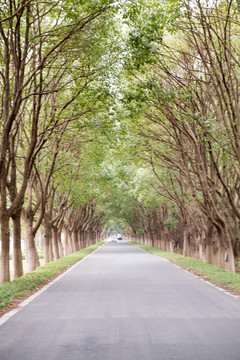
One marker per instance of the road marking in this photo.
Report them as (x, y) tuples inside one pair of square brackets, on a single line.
[(25, 302)]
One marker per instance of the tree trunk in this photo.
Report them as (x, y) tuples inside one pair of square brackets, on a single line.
[(230, 253), (88, 238), (81, 239), (31, 252), (84, 240), (47, 241), (60, 245), (69, 248), (185, 242), (65, 243), (5, 235), (55, 243), (17, 251), (209, 244), (220, 254)]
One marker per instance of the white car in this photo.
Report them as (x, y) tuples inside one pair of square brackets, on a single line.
[(112, 240)]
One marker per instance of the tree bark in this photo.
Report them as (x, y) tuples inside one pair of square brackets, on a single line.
[(185, 242), (209, 244), (55, 243), (31, 252), (5, 235), (17, 251), (47, 241)]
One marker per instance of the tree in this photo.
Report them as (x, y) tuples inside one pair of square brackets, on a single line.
[(36, 73), (191, 126)]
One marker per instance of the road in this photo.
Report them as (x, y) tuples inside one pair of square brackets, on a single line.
[(122, 303)]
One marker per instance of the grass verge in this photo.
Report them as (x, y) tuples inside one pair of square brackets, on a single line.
[(216, 275), (29, 283)]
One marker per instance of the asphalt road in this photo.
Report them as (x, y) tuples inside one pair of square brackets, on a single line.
[(124, 304)]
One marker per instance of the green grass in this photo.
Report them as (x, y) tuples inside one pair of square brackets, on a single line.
[(40, 255), (24, 285), (206, 271)]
